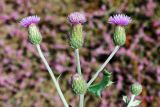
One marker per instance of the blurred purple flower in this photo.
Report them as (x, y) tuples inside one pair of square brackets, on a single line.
[(60, 46), (9, 50), (4, 17), (76, 18), (14, 15), (158, 32), (156, 23), (2, 43), (158, 74), (25, 22), (2, 6), (119, 82), (120, 19), (151, 5), (59, 68)]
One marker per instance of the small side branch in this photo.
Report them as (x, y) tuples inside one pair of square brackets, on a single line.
[(103, 66)]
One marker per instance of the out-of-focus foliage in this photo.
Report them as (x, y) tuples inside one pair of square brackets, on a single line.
[(25, 82)]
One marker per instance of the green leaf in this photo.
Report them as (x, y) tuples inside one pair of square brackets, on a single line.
[(97, 89), (126, 99), (135, 103), (58, 78)]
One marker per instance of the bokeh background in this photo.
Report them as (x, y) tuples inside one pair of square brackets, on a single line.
[(25, 82)]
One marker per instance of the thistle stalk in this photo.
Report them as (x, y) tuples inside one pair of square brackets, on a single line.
[(52, 76), (78, 61), (103, 66), (81, 97), (81, 101)]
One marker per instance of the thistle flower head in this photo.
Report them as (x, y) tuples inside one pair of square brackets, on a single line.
[(25, 22), (120, 19), (76, 18)]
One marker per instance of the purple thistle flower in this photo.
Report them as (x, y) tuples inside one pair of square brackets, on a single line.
[(120, 19), (25, 22), (76, 18)]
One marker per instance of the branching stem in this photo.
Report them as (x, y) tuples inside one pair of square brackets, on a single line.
[(103, 66)]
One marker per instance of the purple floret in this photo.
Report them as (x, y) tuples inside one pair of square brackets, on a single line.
[(77, 18), (25, 22), (120, 19)]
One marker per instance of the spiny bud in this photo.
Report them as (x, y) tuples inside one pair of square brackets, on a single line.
[(34, 35), (119, 36), (79, 85), (136, 89), (76, 37)]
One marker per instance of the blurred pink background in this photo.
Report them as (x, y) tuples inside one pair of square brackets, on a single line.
[(25, 82)]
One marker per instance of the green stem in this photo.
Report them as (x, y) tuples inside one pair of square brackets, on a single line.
[(52, 76), (78, 61), (81, 102), (81, 97), (130, 102), (103, 66)]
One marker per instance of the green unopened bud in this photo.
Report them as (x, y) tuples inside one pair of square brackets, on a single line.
[(76, 37), (119, 37), (136, 89), (34, 35), (79, 85)]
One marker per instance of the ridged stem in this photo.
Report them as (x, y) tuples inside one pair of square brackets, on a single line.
[(103, 66), (52, 76)]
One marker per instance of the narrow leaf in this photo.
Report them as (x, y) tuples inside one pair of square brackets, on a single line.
[(58, 78)]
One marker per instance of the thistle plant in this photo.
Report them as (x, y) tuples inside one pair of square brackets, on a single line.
[(76, 39), (35, 38), (135, 89)]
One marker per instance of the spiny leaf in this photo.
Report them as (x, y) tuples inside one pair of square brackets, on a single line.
[(99, 87), (126, 99), (135, 103)]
